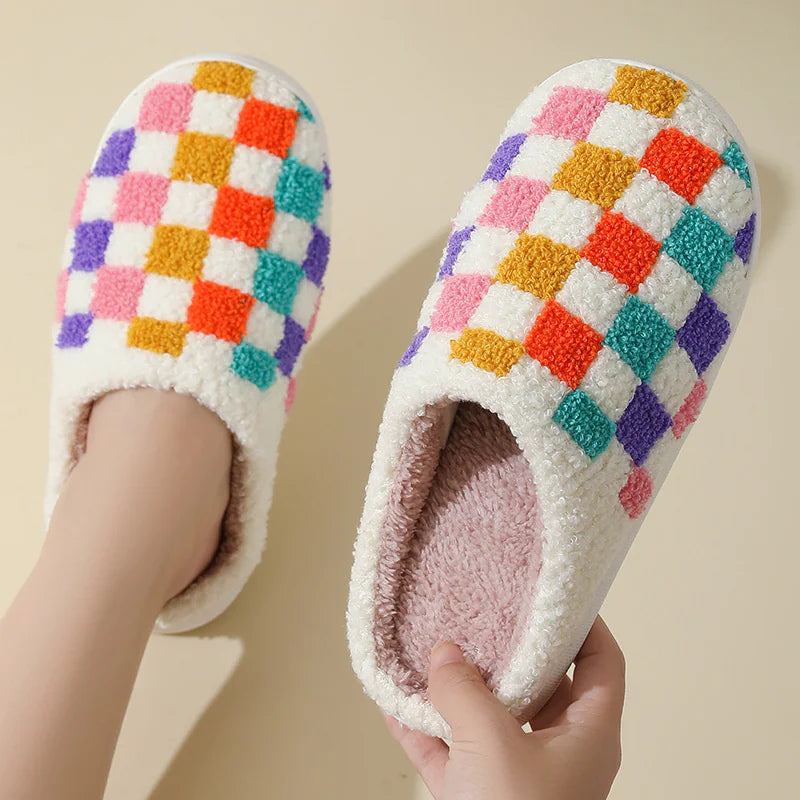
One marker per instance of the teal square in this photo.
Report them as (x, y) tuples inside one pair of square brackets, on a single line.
[(700, 245), (641, 336), (304, 110), (583, 420), (276, 281), (299, 190), (254, 365), (734, 158)]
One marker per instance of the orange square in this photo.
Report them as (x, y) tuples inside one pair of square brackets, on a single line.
[(681, 161), (224, 77), (538, 265), (243, 216), (157, 336), (597, 174), (266, 126), (487, 350), (177, 251), (203, 158), (566, 345), (647, 90), (219, 310), (623, 249)]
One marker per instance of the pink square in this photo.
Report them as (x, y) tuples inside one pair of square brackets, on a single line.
[(460, 296), (690, 409), (636, 492), (569, 113), (116, 292), (61, 294), (77, 206), (166, 107), (514, 203), (291, 391), (140, 198)]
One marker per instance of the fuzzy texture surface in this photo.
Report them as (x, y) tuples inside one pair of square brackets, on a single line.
[(194, 262), (590, 286)]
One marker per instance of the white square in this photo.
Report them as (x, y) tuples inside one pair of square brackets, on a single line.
[(596, 73), (484, 250), (290, 237), (230, 263), (727, 199), (189, 204), (506, 310), (540, 157), (69, 245), (522, 118), (671, 290), (214, 113), (308, 146), (673, 379), (165, 298), (626, 129), (305, 302), (129, 244), (651, 204), (695, 118), (153, 152), (610, 382), (593, 294), (473, 204), (272, 90), (256, 171), (429, 304), (537, 388), (564, 218), (264, 327), (80, 286), (730, 290), (99, 200)]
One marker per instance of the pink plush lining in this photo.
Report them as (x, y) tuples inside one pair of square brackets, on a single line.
[(461, 547)]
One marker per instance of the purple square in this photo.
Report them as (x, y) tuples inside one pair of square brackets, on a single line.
[(91, 240), (502, 158), (317, 257), (704, 333), (416, 342), (113, 160), (326, 171), (74, 331), (454, 246), (644, 422), (743, 243), (294, 337)]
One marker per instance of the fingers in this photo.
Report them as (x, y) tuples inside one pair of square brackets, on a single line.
[(427, 754), (598, 684), (459, 694), (553, 710)]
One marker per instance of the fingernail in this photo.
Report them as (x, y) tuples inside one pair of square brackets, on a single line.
[(445, 653)]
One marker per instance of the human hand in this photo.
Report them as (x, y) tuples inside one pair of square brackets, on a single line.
[(573, 752)]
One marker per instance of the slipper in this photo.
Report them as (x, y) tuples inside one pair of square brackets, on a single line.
[(588, 289), (194, 262)]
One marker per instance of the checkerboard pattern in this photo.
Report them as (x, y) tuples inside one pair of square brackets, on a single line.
[(601, 243), (205, 215)]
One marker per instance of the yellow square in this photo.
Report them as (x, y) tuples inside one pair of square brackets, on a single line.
[(224, 77), (157, 335), (597, 174), (537, 265), (203, 158), (487, 350), (178, 252), (647, 90)]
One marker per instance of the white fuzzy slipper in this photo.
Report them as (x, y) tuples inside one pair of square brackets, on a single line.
[(584, 300), (194, 262)]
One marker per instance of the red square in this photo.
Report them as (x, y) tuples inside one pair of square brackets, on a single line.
[(566, 345), (682, 162), (243, 216), (266, 126), (623, 249), (219, 310)]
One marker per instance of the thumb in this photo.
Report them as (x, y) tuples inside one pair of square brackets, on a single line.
[(459, 694)]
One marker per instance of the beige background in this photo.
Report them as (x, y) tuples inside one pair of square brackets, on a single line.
[(262, 703)]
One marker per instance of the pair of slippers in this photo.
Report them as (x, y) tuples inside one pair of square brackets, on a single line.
[(591, 282)]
